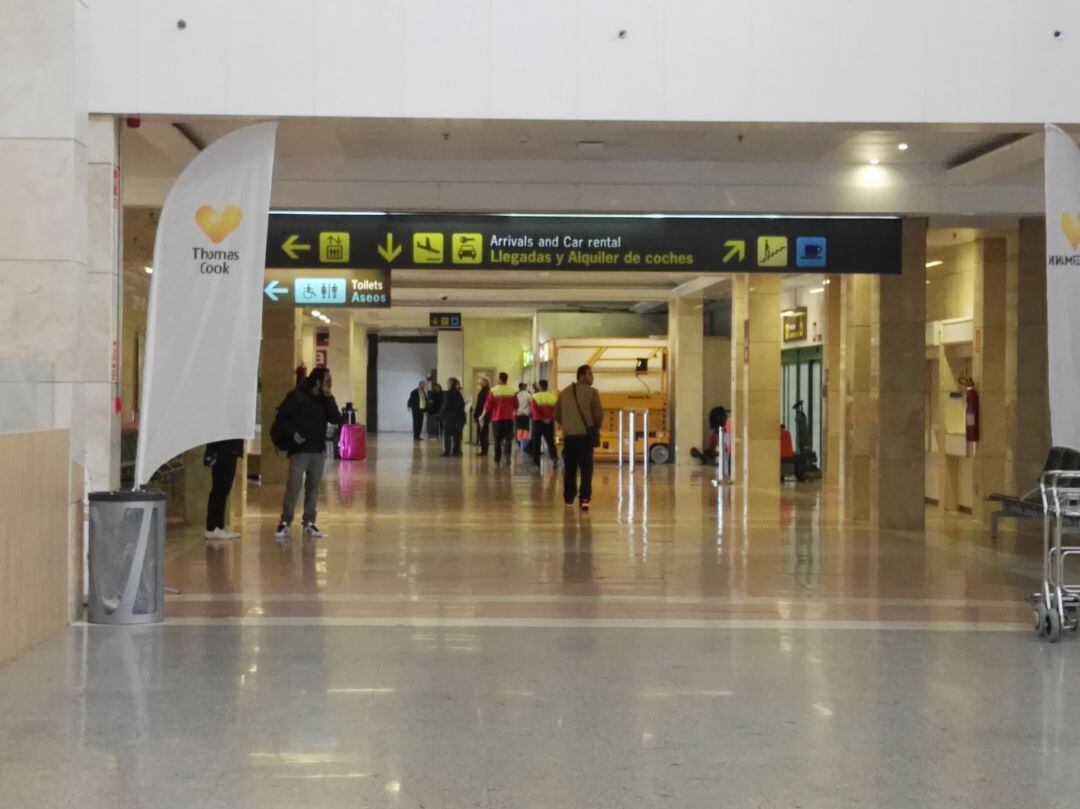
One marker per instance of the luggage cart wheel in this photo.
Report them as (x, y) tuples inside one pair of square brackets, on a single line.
[(1053, 626), (1040, 620)]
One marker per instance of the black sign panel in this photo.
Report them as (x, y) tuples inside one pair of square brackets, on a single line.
[(328, 289), (699, 244), (447, 321)]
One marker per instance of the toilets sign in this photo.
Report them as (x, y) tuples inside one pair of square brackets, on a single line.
[(702, 244)]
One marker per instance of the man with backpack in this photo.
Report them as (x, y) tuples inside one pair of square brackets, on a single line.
[(300, 430)]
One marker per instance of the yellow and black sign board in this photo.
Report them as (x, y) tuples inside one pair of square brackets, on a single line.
[(447, 321), (327, 289), (699, 244)]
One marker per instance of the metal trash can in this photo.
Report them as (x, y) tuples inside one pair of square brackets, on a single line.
[(127, 557)]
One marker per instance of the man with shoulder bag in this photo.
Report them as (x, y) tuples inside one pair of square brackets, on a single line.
[(579, 413)]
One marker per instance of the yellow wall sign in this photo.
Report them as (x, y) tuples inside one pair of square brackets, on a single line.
[(467, 248), (772, 251), (427, 248), (334, 247)]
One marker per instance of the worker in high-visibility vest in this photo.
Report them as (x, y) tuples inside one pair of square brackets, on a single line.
[(543, 423)]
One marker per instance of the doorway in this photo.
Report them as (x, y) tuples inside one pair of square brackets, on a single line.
[(800, 373)]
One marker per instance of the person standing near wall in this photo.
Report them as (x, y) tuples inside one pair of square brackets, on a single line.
[(500, 409), (418, 404), (543, 423), (221, 457), (306, 413), (434, 406), (452, 416), (579, 413), (483, 429)]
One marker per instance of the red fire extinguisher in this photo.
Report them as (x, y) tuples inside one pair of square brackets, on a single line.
[(971, 409)]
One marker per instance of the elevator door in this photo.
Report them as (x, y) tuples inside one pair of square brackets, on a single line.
[(800, 370)]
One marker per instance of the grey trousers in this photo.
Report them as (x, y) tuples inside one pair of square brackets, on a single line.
[(311, 465)]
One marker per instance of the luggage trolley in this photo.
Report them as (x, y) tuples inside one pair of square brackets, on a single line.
[(1057, 607)]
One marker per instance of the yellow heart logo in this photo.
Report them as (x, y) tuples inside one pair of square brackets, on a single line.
[(218, 225), (1070, 226)]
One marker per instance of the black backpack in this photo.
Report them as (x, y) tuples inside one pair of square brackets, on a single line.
[(281, 435)]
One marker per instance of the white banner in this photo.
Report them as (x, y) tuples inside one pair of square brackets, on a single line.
[(1063, 285), (204, 325)]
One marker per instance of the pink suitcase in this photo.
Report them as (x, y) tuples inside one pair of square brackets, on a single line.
[(353, 442)]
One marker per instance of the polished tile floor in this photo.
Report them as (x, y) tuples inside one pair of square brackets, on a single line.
[(460, 639)]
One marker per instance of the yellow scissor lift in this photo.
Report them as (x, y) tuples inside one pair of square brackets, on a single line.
[(631, 374)]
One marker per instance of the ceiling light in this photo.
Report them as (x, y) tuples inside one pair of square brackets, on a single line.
[(874, 161), (316, 313), (149, 270), (930, 264), (815, 291), (903, 147)]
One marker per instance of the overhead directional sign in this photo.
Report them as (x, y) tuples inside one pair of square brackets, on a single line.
[(328, 289), (698, 244)]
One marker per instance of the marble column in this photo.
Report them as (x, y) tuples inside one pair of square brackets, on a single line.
[(758, 425), (834, 381), (1032, 431), (43, 269), (277, 364), (884, 363), (451, 356), (359, 360), (990, 373), (102, 305), (686, 345), (740, 327)]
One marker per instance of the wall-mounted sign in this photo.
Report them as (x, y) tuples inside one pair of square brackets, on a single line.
[(527, 358), (344, 288), (447, 321), (621, 243), (794, 324)]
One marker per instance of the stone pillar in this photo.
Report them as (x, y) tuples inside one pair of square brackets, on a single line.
[(860, 416), (359, 361), (900, 313), (277, 364), (451, 356), (1032, 436), (686, 345), (339, 360), (759, 425), (102, 305), (884, 364), (740, 329), (834, 381), (990, 373), (43, 285)]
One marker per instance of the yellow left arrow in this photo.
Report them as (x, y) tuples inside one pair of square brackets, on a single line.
[(292, 247)]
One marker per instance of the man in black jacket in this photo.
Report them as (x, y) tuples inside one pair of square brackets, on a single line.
[(307, 411), (418, 404)]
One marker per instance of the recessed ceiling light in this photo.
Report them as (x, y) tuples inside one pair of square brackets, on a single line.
[(316, 313), (903, 147), (815, 290), (149, 270), (930, 264), (874, 161)]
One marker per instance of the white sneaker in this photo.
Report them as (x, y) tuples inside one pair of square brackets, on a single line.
[(312, 531), (221, 534), (282, 531)]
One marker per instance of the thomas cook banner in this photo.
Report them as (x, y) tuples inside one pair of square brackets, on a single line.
[(1063, 284), (200, 372)]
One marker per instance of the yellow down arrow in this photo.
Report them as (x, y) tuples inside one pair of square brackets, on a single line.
[(390, 251), (292, 247)]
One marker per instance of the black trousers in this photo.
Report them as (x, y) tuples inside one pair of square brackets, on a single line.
[(504, 440), (542, 432), (577, 457), (483, 432), (222, 474), (451, 438), (417, 423)]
